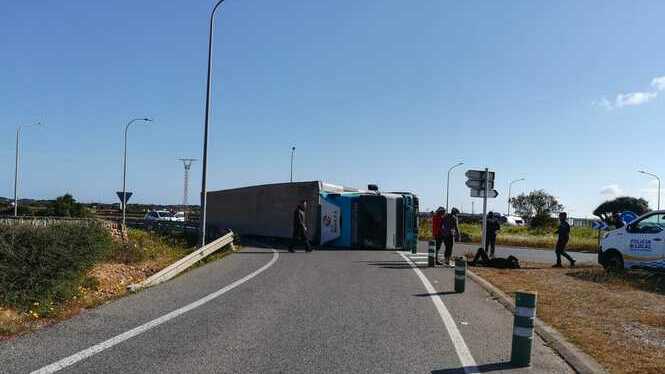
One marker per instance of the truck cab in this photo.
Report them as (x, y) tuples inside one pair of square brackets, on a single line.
[(638, 245)]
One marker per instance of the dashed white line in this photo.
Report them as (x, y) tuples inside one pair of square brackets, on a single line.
[(461, 348), (82, 355)]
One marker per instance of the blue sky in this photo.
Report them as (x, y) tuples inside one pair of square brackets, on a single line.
[(564, 94)]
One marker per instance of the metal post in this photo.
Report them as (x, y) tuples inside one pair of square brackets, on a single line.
[(204, 176), (484, 228), (16, 165), (509, 193), (124, 169), (460, 275), (431, 253), (293, 151), (525, 316), (448, 182), (657, 178)]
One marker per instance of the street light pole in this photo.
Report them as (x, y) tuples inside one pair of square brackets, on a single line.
[(509, 193), (448, 182), (293, 151), (204, 188), (16, 165), (124, 169), (657, 178)]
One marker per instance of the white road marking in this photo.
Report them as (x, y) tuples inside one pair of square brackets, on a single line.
[(82, 355), (461, 348)]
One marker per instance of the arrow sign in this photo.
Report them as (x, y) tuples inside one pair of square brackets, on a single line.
[(475, 184), (127, 194), (478, 175), (480, 193), (599, 225)]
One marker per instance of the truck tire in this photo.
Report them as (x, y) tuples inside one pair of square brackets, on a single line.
[(613, 262)]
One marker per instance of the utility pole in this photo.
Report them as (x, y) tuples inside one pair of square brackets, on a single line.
[(16, 166), (293, 151), (187, 163)]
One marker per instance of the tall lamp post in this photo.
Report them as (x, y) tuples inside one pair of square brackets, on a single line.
[(204, 188), (510, 186), (448, 182), (657, 178), (16, 165), (293, 151), (124, 168)]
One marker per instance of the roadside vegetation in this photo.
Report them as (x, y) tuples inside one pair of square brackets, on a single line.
[(48, 273), (583, 239), (617, 318)]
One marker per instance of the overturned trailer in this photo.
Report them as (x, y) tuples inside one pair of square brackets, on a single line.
[(337, 216)]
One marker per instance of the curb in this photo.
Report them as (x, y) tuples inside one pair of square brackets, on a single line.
[(581, 362)]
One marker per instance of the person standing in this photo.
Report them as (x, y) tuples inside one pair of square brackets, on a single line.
[(437, 220), (449, 233), (300, 227), (564, 234), (490, 233)]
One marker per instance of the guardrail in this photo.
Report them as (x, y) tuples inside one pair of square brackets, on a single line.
[(184, 263)]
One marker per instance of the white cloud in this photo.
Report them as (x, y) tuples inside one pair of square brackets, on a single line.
[(634, 99), (658, 83), (611, 191)]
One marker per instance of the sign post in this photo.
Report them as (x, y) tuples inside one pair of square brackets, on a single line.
[(481, 183)]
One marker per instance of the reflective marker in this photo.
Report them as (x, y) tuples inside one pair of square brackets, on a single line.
[(525, 316), (431, 253)]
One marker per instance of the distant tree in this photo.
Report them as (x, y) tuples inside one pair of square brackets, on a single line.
[(66, 206), (537, 207), (606, 210)]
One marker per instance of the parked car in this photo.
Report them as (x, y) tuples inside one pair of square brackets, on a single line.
[(638, 245), (514, 221), (159, 216), (179, 217)]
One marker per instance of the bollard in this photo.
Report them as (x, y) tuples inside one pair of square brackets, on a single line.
[(525, 315), (414, 249), (431, 253), (460, 275)]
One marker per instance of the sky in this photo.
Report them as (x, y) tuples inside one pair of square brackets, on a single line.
[(568, 95)]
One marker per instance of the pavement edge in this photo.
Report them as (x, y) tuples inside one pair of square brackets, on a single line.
[(580, 362)]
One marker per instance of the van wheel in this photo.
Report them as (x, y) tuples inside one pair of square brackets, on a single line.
[(614, 263)]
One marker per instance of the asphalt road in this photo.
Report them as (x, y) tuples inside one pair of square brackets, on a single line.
[(275, 312), (542, 255)]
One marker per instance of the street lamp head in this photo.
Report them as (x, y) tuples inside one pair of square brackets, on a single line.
[(147, 119), (293, 148)]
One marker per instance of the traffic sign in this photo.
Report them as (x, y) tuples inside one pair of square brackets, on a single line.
[(127, 194), (599, 225), (478, 174), (476, 179), (481, 193)]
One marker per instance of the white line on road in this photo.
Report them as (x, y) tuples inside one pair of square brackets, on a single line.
[(463, 352), (82, 355)]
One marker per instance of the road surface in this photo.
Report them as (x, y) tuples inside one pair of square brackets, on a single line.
[(268, 311), (543, 255)]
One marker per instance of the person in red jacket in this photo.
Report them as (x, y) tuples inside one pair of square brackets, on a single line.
[(437, 221)]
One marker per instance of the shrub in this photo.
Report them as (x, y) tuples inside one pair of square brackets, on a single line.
[(45, 264), (145, 245)]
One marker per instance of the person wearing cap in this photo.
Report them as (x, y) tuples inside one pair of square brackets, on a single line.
[(449, 233), (437, 218)]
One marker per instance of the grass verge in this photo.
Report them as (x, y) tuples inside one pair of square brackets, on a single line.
[(98, 280), (582, 239), (618, 319)]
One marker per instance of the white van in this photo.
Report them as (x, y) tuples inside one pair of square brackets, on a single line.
[(638, 245)]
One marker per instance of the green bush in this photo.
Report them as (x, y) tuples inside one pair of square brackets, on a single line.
[(145, 245), (45, 264)]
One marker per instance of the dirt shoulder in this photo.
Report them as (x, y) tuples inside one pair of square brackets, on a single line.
[(619, 320)]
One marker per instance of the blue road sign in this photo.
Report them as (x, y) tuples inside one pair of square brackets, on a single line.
[(599, 225)]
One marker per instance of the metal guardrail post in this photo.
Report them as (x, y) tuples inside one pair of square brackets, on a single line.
[(525, 316), (460, 275), (431, 253)]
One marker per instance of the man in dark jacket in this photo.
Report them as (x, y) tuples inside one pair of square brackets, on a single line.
[(564, 234), (490, 233), (449, 233), (300, 227)]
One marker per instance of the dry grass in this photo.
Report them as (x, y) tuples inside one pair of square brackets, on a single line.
[(617, 319)]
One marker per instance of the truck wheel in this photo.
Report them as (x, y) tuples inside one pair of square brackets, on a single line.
[(614, 263)]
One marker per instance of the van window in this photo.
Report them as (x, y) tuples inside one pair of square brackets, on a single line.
[(652, 224)]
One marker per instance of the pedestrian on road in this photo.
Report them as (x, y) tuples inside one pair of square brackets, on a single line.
[(300, 227), (564, 234), (449, 233), (490, 233), (437, 220)]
